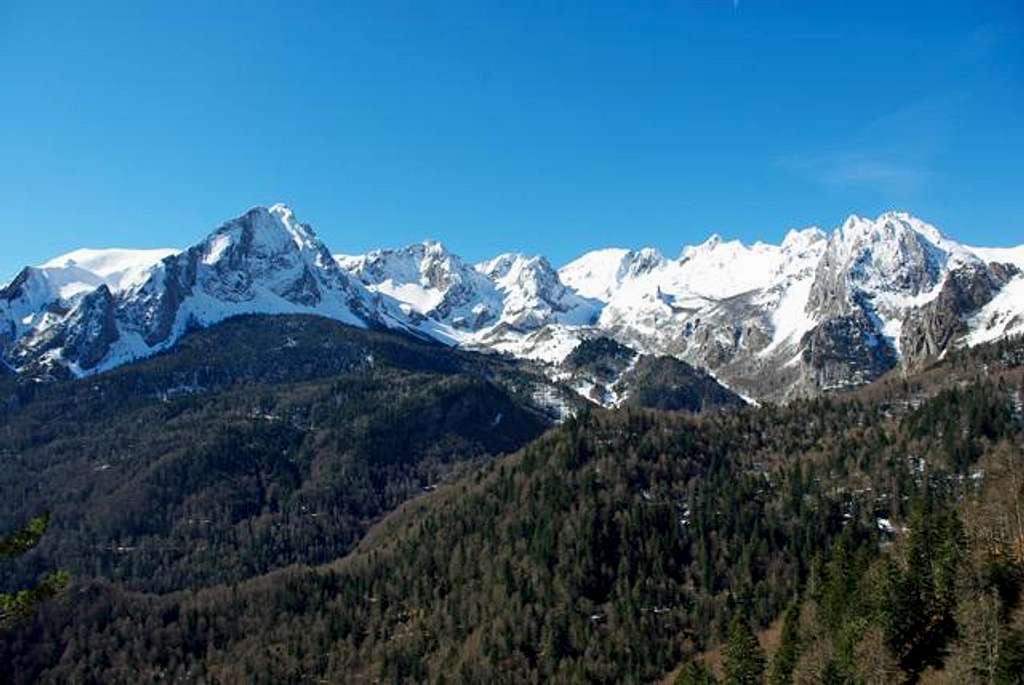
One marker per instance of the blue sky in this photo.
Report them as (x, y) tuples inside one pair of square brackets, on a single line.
[(546, 127)]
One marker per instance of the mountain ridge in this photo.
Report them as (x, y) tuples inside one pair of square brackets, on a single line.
[(817, 311)]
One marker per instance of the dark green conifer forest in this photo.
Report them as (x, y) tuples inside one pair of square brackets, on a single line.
[(380, 523)]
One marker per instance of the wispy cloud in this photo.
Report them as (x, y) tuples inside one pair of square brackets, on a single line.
[(877, 171), (896, 154)]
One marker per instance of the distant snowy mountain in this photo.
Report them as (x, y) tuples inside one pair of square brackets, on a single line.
[(39, 294), (435, 290), (1004, 255), (816, 312), (819, 311), (533, 294), (118, 269), (496, 304), (262, 262)]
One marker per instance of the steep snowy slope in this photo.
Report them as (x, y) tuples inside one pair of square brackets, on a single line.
[(1004, 255), (117, 268), (34, 299), (600, 273), (435, 290), (495, 305), (262, 262), (1002, 316), (534, 295), (39, 295)]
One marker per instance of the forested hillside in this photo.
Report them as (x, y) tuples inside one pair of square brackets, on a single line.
[(879, 533), (259, 443)]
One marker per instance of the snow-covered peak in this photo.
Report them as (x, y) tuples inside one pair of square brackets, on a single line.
[(499, 267), (854, 225), (596, 273), (533, 293), (427, 279), (84, 269), (528, 279), (709, 246), (497, 301), (109, 262), (514, 269), (30, 302), (714, 269), (895, 253), (1002, 255), (600, 273), (435, 249), (799, 240), (718, 268), (892, 227), (908, 220), (858, 232), (411, 263), (264, 261), (65, 282), (644, 260), (428, 263), (39, 294), (301, 234), (261, 235)]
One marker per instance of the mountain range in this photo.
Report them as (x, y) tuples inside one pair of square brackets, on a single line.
[(820, 311), (257, 460)]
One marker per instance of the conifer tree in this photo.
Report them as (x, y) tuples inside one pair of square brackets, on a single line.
[(744, 660), (695, 673), (788, 652), (20, 604)]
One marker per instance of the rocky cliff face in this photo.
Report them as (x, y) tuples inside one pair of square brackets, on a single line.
[(844, 351), (935, 326)]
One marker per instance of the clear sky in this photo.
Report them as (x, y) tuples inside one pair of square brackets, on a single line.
[(547, 127)]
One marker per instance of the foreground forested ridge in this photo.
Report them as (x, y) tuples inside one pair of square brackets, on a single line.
[(258, 443), (255, 444), (884, 526)]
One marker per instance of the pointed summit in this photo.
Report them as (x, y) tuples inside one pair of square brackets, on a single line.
[(797, 240), (261, 232), (712, 241), (263, 261), (709, 245)]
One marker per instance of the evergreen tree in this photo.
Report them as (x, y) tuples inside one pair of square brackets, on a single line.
[(788, 652), (1010, 667), (695, 673), (744, 660), (20, 604)]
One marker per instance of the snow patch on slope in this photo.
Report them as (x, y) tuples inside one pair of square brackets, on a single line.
[(718, 269), (790, 318), (1002, 255), (117, 268), (1003, 316)]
